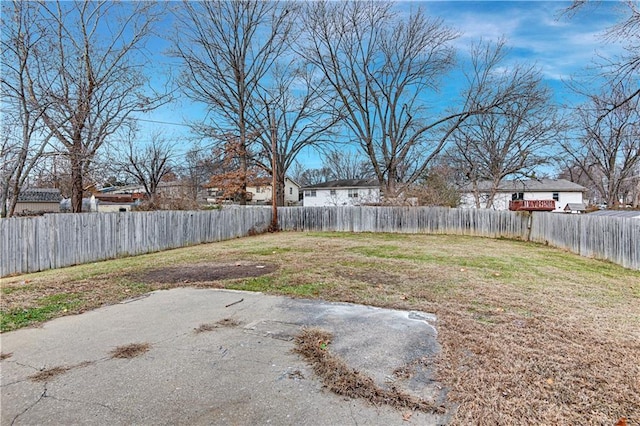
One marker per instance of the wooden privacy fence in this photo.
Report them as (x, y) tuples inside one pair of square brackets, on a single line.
[(57, 240), (411, 220), (615, 239), (610, 238)]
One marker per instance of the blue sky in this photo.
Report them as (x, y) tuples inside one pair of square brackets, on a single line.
[(537, 32)]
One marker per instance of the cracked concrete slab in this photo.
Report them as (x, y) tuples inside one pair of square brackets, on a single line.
[(240, 372)]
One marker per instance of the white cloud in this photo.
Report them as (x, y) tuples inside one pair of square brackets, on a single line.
[(537, 32)]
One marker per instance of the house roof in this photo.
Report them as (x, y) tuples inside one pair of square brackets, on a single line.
[(40, 195), (577, 207), (532, 185), (345, 184)]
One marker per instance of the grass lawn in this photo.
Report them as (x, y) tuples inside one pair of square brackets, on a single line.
[(529, 334)]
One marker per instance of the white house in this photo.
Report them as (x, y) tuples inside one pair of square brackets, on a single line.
[(259, 191), (555, 192), (262, 193), (347, 192)]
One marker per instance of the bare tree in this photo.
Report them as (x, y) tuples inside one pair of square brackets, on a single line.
[(90, 75), (437, 187), (512, 140), (147, 165), (293, 112), (345, 164), (608, 146), (227, 49), (197, 169), (624, 69), (24, 144), (383, 68)]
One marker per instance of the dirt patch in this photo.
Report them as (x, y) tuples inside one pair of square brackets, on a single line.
[(205, 272), (130, 351), (52, 373), (313, 345), (6, 355)]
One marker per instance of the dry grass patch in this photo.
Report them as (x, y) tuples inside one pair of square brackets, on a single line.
[(313, 345), (130, 351), (51, 373), (225, 322)]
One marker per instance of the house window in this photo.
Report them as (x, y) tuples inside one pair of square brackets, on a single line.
[(290, 191), (556, 196), (517, 196), (311, 193), (332, 192), (259, 189), (353, 193)]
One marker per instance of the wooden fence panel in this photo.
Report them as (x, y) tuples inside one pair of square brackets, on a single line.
[(57, 240), (615, 239)]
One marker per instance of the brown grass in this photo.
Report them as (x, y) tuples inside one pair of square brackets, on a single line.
[(529, 334), (51, 373), (225, 322), (313, 345), (130, 351)]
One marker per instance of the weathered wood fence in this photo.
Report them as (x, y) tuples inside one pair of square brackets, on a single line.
[(411, 220), (57, 240), (615, 239)]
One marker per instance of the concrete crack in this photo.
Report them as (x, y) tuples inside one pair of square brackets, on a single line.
[(42, 395), (77, 401), (355, 421)]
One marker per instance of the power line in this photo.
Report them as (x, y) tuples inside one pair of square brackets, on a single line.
[(163, 122)]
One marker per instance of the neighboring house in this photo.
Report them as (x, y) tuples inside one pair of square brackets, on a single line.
[(89, 205), (125, 189), (547, 194), (575, 208), (262, 192), (347, 192), (113, 202), (259, 191), (38, 200)]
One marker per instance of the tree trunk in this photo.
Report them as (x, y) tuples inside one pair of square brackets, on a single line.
[(76, 181), (280, 188)]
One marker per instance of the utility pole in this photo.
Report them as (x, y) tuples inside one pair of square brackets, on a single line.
[(274, 169)]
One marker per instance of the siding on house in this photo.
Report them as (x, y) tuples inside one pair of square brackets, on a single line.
[(351, 192), (262, 194), (539, 189), (38, 200)]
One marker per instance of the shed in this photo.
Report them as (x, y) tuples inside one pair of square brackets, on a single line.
[(38, 200), (575, 208)]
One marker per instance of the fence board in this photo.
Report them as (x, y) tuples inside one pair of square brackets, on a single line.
[(57, 240)]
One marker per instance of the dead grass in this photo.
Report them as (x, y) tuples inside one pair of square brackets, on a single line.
[(225, 322), (130, 351), (529, 334), (313, 345), (48, 374)]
